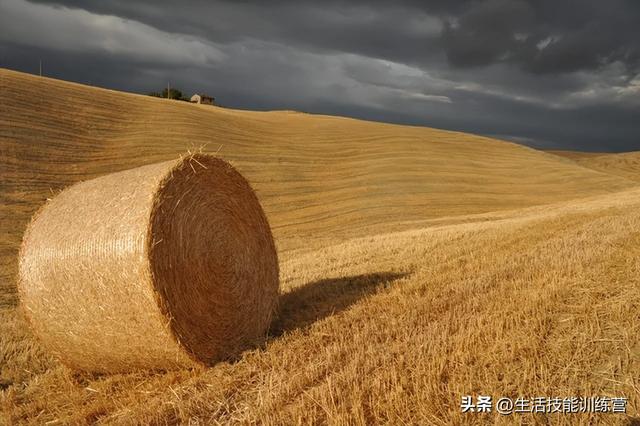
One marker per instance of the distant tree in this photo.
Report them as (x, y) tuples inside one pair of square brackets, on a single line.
[(173, 94)]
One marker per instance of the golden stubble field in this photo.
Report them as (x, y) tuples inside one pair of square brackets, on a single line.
[(417, 266)]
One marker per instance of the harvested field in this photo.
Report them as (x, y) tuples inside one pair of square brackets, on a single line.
[(417, 266), (624, 164)]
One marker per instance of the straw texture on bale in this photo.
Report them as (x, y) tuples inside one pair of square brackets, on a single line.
[(163, 266)]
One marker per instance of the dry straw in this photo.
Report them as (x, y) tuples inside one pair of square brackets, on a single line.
[(163, 266)]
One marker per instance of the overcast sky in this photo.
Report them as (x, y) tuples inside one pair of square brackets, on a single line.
[(548, 73)]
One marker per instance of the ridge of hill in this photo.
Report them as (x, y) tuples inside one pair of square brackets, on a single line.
[(623, 164)]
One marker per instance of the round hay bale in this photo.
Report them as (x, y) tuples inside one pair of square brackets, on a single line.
[(163, 266)]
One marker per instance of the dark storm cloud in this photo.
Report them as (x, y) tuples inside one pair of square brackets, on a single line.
[(550, 73), (546, 36), (541, 35), (383, 31)]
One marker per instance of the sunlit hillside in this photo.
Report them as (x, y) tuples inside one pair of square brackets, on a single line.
[(319, 178), (625, 164), (417, 265)]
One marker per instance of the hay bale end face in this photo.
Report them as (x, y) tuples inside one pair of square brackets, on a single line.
[(163, 266)]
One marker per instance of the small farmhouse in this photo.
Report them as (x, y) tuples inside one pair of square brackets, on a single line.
[(202, 99)]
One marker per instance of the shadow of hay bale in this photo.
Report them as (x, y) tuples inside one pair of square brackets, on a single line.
[(319, 299)]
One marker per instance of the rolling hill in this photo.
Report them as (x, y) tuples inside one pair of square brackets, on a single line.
[(417, 265), (624, 164), (320, 179)]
